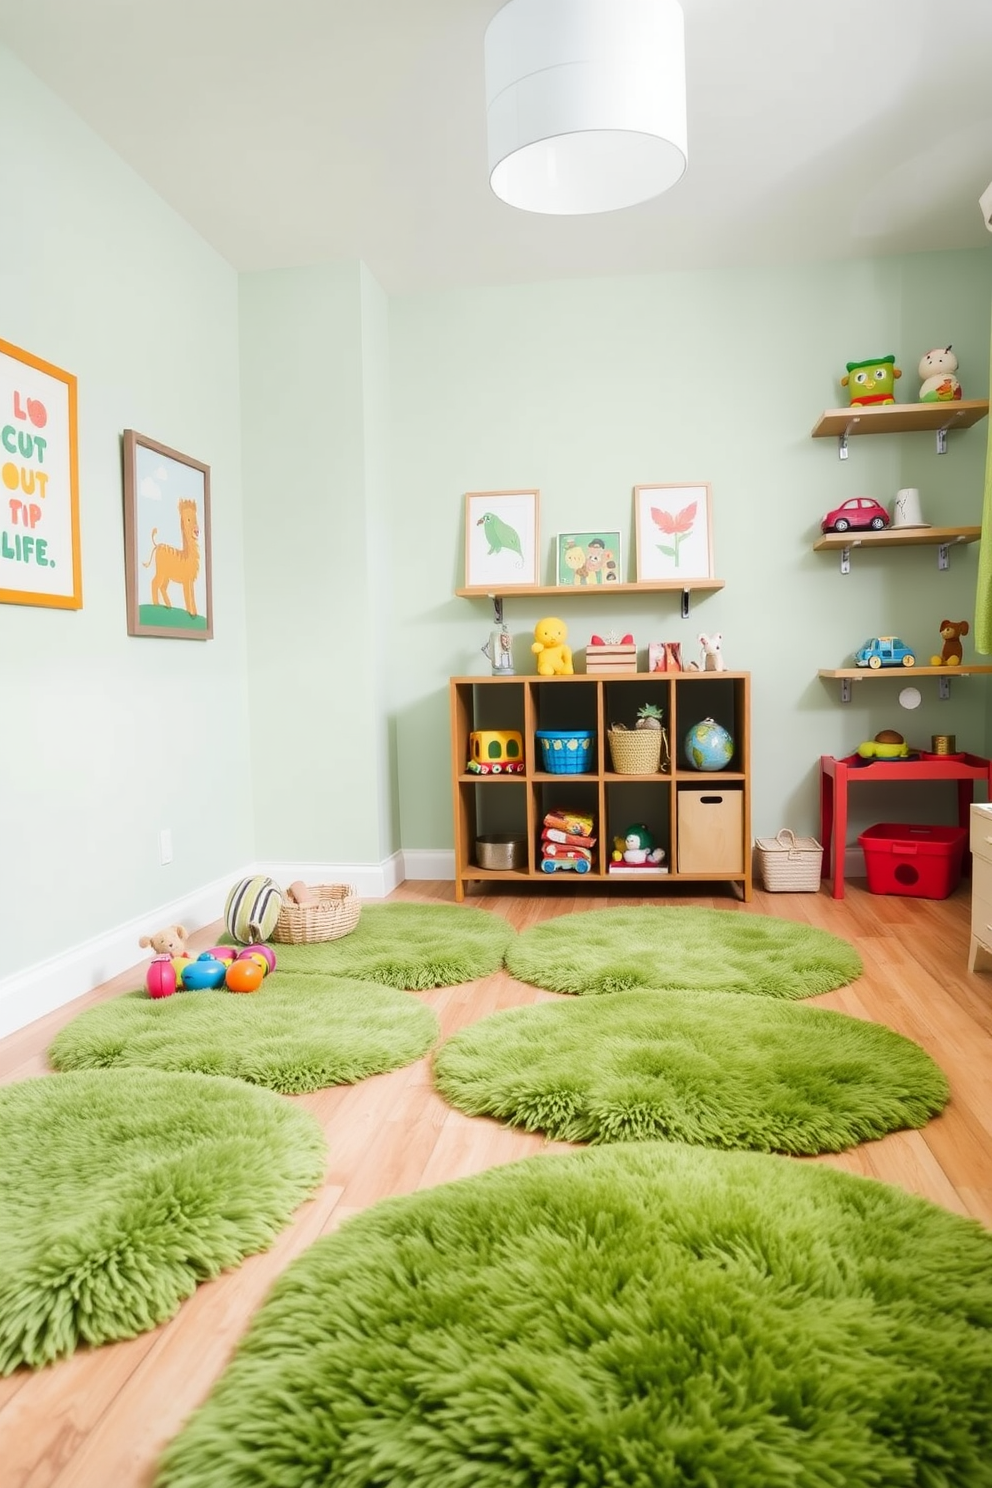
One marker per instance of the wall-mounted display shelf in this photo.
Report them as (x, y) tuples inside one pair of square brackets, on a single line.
[(941, 538), (899, 418), (847, 675), (574, 591), (702, 819)]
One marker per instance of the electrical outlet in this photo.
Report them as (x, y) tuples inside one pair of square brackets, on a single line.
[(165, 845)]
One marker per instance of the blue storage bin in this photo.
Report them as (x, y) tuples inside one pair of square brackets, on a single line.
[(567, 751)]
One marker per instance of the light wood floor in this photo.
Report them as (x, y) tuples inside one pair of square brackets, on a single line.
[(100, 1418)]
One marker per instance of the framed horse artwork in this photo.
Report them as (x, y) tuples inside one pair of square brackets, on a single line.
[(166, 542)]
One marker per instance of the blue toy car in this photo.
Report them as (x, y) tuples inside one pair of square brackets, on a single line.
[(884, 651), (555, 865)]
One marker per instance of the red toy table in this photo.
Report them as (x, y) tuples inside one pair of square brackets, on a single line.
[(837, 774)]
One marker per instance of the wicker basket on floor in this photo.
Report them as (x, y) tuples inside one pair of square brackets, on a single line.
[(333, 915), (789, 864)]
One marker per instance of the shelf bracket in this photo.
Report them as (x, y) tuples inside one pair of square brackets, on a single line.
[(944, 687), (685, 604), (942, 440), (845, 689), (943, 557), (845, 560), (497, 600)]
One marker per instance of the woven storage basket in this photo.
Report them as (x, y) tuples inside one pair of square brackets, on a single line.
[(334, 915), (637, 751), (789, 864)]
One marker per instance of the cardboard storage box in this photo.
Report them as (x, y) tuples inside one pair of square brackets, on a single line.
[(710, 830)]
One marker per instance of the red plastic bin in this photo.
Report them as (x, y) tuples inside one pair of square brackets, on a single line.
[(915, 860)]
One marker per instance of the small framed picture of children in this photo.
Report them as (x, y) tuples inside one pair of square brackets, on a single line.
[(589, 558)]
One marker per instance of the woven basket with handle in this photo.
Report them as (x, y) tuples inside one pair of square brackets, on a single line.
[(334, 914), (789, 864), (637, 751)]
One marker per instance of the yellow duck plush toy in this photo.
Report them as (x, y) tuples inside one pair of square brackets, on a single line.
[(554, 658)]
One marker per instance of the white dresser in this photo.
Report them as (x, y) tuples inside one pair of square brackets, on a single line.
[(981, 884)]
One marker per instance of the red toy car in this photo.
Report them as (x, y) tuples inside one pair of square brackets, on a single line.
[(860, 511)]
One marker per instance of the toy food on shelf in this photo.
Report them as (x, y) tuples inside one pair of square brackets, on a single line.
[(937, 369), (884, 651), (952, 651), (871, 382), (886, 745)]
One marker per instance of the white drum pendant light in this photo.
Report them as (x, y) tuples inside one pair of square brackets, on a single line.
[(585, 103)]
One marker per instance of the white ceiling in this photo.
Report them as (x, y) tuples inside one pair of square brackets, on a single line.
[(292, 132)]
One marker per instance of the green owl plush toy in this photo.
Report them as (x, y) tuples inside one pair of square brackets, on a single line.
[(871, 382)]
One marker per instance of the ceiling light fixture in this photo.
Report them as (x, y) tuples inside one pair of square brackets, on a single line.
[(585, 103)]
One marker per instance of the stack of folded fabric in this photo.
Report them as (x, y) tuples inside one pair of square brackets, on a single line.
[(567, 837)]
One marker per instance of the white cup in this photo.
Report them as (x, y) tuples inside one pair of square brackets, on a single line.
[(906, 511)]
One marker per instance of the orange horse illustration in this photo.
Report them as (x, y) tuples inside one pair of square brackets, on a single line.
[(177, 565)]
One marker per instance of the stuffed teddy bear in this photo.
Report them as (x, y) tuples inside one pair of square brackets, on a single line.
[(952, 651), (168, 942), (554, 658), (937, 370)]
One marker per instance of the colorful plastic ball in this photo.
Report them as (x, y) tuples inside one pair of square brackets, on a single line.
[(263, 950), (244, 976), (160, 978), (221, 953), (179, 965), (252, 953), (203, 974)]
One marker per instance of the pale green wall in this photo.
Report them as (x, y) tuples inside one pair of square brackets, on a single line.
[(105, 738), (310, 385), (584, 389)]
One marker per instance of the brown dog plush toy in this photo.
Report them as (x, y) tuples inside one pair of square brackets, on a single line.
[(952, 651)]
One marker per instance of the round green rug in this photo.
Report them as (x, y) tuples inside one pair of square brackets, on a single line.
[(709, 1068), (410, 946), (628, 1316), (711, 950), (295, 1034), (120, 1191)]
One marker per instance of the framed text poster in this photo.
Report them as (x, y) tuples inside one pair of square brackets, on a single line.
[(39, 483)]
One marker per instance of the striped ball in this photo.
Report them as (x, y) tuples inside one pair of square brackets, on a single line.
[(252, 909)]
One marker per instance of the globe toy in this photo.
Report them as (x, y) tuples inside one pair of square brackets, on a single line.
[(708, 746), (244, 976), (204, 974), (264, 954), (160, 978)]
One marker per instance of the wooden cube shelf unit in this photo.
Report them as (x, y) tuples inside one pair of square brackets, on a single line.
[(701, 818)]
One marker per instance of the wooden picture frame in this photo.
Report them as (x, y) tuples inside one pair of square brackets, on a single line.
[(40, 561), (501, 539), (588, 558), (673, 532), (167, 517)]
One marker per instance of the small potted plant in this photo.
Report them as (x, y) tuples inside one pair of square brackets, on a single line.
[(642, 750)]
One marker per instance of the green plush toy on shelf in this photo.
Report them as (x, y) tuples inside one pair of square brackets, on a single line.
[(871, 382)]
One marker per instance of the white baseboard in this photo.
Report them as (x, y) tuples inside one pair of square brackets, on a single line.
[(40, 989), (48, 985), (421, 863)]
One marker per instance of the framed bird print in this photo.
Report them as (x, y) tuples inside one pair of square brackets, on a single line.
[(501, 539)]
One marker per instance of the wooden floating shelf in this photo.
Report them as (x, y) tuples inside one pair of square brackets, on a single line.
[(568, 591), (898, 538), (901, 673), (900, 418)]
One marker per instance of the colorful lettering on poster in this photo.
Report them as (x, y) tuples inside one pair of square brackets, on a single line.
[(24, 475)]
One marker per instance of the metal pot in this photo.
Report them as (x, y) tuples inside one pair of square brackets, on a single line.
[(501, 850)]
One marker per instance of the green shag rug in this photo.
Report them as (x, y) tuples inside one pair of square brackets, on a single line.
[(709, 950), (294, 1034), (628, 1317), (120, 1191), (411, 946), (709, 1068)]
